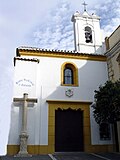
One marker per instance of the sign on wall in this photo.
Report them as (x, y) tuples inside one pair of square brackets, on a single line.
[(24, 83), (25, 78)]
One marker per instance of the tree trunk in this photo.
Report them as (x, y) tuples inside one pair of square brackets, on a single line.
[(116, 137)]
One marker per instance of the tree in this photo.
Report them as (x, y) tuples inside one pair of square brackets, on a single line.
[(107, 105)]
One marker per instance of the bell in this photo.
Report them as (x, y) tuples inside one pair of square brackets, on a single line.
[(87, 39), (87, 36)]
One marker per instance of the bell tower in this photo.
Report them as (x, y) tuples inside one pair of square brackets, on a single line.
[(87, 32)]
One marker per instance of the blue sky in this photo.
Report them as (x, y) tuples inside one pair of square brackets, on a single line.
[(43, 24)]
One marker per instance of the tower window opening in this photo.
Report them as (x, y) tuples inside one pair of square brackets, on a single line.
[(88, 34)]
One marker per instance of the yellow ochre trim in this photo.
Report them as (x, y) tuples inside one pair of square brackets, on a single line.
[(68, 101), (63, 55), (84, 106), (43, 149), (32, 149), (50, 148), (75, 73)]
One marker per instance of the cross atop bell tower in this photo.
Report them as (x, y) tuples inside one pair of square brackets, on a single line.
[(84, 4), (87, 32)]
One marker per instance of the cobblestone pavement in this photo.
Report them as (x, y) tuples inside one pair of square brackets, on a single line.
[(68, 156)]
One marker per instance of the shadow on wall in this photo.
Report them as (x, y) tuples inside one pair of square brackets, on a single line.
[(90, 76)]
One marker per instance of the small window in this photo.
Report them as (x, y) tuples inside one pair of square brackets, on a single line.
[(69, 74), (104, 130), (88, 34)]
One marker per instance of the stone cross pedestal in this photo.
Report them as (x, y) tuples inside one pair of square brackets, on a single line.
[(23, 135)]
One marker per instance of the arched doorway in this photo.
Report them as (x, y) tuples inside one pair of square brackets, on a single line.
[(69, 130)]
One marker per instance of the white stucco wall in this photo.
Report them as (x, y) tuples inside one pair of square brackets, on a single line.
[(45, 84)]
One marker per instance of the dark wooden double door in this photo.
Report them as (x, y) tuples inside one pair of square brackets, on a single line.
[(69, 131)]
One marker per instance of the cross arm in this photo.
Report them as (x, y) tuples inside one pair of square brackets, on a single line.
[(32, 100), (18, 99)]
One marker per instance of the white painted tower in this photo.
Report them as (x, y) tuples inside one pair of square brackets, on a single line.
[(87, 32)]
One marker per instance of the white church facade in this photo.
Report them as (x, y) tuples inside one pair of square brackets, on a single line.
[(63, 82)]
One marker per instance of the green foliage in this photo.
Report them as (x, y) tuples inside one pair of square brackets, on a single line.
[(107, 103)]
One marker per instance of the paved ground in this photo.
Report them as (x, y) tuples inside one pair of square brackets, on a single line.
[(77, 156), (87, 156), (68, 156), (38, 157)]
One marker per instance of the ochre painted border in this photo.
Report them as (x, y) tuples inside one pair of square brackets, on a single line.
[(32, 149), (75, 74), (50, 148), (85, 107), (62, 55)]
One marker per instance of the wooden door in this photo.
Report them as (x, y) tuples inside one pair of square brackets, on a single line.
[(69, 130)]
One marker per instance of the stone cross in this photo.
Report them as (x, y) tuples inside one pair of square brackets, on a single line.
[(23, 135)]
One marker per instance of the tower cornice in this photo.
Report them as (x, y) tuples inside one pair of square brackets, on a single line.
[(77, 15)]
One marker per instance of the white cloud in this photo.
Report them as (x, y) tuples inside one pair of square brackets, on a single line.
[(57, 33), (110, 15)]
